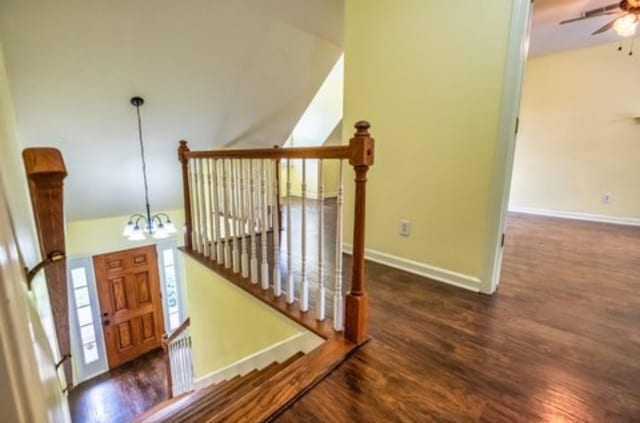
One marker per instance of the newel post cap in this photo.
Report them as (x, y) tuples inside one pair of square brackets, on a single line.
[(183, 150), (362, 145)]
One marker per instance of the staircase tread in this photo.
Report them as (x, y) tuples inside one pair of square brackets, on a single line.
[(211, 397)]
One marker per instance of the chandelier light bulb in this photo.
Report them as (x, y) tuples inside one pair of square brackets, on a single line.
[(137, 234), (128, 228), (169, 227), (160, 232), (625, 26)]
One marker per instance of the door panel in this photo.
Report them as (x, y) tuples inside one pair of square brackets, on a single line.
[(130, 302)]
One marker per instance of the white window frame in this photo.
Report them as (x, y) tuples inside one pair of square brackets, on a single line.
[(182, 303), (85, 371)]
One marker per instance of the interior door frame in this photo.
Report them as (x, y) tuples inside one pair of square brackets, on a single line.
[(517, 53), (85, 372)]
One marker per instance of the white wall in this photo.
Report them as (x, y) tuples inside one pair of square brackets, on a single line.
[(578, 137)]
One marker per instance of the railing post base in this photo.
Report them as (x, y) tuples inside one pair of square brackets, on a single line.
[(356, 317)]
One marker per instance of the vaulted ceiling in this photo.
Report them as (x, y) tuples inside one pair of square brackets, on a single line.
[(548, 36), (214, 72)]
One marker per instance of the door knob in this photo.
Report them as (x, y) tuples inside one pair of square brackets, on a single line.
[(106, 322)]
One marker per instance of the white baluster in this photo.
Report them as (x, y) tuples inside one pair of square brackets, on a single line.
[(211, 214), (252, 222), (338, 298), (320, 301), (264, 202), (195, 237), (190, 356), (215, 216), (183, 358), (275, 215), (235, 253), (206, 218), (172, 368), (304, 288), (201, 214), (290, 280), (244, 256), (227, 231)]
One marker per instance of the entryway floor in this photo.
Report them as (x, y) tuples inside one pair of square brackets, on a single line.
[(121, 394)]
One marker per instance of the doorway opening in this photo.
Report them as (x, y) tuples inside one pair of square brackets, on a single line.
[(121, 304)]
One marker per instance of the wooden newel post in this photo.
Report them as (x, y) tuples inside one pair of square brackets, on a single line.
[(45, 173), (183, 156), (357, 300)]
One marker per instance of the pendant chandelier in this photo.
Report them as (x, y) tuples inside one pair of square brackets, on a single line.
[(139, 226)]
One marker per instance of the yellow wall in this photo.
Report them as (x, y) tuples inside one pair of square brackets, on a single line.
[(228, 324), (578, 138), (428, 75), (97, 236), (12, 176)]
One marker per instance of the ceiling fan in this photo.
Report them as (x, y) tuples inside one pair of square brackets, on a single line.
[(627, 17)]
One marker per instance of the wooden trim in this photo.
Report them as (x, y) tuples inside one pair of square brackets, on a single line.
[(171, 336), (183, 156), (46, 172), (329, 152), (360, 153), (357, 300)]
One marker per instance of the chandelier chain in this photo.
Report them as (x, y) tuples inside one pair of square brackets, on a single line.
[(144, 163)]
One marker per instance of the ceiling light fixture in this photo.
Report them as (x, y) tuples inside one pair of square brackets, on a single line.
[(158, 225), (625, 26)]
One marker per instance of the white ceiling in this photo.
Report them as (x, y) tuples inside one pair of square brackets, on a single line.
[(547, 36), (214, 72)]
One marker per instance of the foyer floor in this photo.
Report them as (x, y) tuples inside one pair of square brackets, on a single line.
[(559, 342), (122, 394)]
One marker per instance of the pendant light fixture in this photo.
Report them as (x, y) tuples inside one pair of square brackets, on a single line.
[(139, 226)]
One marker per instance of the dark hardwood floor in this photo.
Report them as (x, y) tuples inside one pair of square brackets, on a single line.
[(559, 341), (122, 394)]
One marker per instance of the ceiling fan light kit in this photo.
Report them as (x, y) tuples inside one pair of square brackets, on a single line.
[(624, 24)]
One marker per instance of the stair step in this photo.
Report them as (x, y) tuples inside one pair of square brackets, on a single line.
[(196, 405), (214, 395)]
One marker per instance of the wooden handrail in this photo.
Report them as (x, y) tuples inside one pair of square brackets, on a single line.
[(329, 152), (46, 171), (360, 153), (170, 336)]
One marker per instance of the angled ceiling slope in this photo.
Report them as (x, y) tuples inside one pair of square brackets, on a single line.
[(218, 73)]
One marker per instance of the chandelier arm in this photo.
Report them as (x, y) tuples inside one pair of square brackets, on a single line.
[(166, 216)]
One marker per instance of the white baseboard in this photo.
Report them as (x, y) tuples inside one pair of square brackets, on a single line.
[(616, 220), (422, 269), (304, 341)]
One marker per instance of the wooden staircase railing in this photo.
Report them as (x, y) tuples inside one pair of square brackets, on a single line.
[(228, 196), (178, 359)]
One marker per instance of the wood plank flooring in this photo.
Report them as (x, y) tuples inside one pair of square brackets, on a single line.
[(559, 342), (121, 394)]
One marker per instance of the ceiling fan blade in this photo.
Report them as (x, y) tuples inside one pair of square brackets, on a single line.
[(605, 28), (598, 11), (582, 18)]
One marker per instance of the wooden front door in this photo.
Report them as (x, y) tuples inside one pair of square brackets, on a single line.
[(130, 303)]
